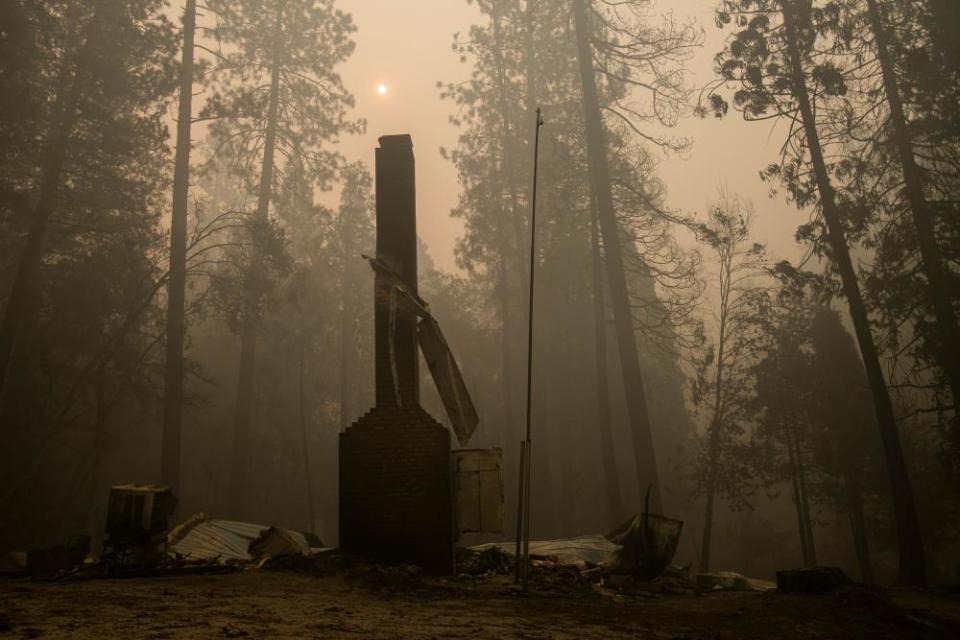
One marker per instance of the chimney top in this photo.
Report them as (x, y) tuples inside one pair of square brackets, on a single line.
[(398, 140)]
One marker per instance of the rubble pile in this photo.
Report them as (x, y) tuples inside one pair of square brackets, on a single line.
[(548, 577), (634, 560), (489, 561)]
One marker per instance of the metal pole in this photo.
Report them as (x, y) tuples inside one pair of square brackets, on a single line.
[(526, 520), (533, 264), (517, 556)]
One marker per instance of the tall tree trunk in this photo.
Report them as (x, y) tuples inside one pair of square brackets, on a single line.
[(801, 521), (507, 331), (802, 495), (176, 287), (54, 158), (938, 289), (858, 529), (508, 176), (707, 541), (248, 338), (547, 509), (546, 521), (304, 440), (716, 419), (346, 330), (643, 451), (805, 505), (94, 499), (912, 569), (798, 501), (615, 507)]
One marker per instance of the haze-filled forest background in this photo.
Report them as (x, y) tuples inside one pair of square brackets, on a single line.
[(747, 276)]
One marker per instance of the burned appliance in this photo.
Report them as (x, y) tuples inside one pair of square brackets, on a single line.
[(138, 517), (479, 487), (397, 500)]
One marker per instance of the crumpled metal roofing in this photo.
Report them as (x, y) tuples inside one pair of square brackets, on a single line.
[(220, 540), (590, 548)]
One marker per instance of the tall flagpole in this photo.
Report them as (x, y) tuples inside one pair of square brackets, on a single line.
[(523, 506)]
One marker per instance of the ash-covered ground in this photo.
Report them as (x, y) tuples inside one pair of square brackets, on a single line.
[(341, 598)]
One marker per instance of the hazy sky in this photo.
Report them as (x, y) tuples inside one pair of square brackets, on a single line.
[(405, 44)]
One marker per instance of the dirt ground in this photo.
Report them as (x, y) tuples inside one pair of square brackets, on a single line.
[(284, 604)]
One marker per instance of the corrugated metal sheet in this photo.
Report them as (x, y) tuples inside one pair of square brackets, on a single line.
[(446, 375), (590, 548), (221, 540), (440, 361), (278, 542)]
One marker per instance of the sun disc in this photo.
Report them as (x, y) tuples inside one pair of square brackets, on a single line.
[(382, 89)]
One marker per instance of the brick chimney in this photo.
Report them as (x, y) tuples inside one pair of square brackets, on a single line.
[(397, 249), (396, 484)]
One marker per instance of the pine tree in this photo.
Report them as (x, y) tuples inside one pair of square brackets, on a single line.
[(277, 95), (666, 49), (99, 112), (844, 443), (783, 395), (938, 288), (722, 384), (773, 59), (354, 236), (81, 261), (176, 290)]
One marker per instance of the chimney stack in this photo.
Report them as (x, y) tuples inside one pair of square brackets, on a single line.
[(396, 483), (397, 249)]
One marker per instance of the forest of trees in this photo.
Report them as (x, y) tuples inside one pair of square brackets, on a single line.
[(178, 305)]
